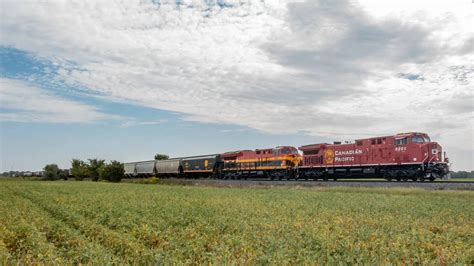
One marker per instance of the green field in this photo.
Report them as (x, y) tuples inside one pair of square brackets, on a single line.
[(462, 179), (85, 222)]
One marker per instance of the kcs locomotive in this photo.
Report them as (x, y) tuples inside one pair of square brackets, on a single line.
[(405, 156)]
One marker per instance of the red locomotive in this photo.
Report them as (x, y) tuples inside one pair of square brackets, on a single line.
[(402, 157)]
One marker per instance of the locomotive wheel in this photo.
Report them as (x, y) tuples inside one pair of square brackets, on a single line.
[(422, 179), (325, 178)]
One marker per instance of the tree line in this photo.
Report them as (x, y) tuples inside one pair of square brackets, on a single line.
[(94, 169), (462, 174)]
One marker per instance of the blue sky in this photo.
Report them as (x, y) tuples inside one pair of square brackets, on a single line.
[(30, 145), (125, 80)]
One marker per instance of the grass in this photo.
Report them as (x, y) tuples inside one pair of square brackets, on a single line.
[(462, 179), (93, 223)]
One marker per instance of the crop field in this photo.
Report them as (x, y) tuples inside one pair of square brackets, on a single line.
[(85, 222)]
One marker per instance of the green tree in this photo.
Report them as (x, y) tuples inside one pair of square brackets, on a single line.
[(160, 157), (112, 171), (94, 166), (51, 172), (63, 174), (80, 169)]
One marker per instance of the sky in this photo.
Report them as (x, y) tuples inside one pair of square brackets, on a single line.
[(123, 80)]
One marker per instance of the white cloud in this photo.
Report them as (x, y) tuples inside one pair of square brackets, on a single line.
[(24, 103), (134, 123), (322, 67)]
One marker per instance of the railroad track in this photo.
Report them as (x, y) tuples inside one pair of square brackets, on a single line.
[(435, 185)]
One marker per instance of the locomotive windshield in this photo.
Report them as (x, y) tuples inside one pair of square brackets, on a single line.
[(289, 150), (417, 139), (420, 139)]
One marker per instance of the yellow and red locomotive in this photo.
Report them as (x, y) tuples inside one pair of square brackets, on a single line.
[(274, 163), (405, 156)]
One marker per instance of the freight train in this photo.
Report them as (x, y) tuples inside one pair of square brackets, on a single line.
[(405, 156)]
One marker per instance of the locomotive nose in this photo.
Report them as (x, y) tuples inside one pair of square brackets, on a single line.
[(434, 151)]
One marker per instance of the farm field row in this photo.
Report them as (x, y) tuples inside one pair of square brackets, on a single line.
[(87, 222)]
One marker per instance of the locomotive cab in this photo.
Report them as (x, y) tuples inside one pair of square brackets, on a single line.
[(427, 153), (290, 154)]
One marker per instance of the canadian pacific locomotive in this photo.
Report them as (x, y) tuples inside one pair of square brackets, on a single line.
[(406, 156)]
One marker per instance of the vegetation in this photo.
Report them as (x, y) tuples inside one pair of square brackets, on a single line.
[(97, 169), (151, 180), (113, 171), (468, 179), (63, 174), (79, 169), (161, 157), (94, 168), (97, 223), (51, 172), (462, 174)]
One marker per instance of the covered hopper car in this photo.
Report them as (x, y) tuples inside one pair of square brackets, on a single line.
[(193, 167)]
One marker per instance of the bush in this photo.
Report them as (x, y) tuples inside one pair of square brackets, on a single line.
[(51, 172), (153, 180), (80, 169), (161, 157), (112, 171), (94, 166), (63, 174)]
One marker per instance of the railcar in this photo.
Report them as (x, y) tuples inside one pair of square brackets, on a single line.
[(38, 173), (129, 169), (405, 156), (145, 168), (200, 166), (170, 167), (194, 166), (274, 163)]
